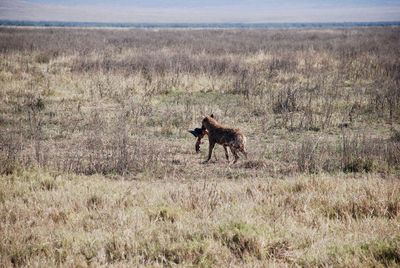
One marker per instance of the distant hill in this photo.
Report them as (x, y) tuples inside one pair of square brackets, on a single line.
[(200, 25)]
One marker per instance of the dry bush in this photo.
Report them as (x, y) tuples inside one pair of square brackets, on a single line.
[(10, 149), (241, 239), (349, 153), (268, 82)]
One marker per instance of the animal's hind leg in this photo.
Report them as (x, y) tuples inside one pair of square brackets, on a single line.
[(226, 152), (215, 156), (243, 151)]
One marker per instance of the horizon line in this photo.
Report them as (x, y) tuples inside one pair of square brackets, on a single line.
[(197, 23)]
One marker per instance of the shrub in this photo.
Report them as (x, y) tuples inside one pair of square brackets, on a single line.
[(358, 165), (164, 214), (242, 239), (42, 58), (94, 201), (385, 251)]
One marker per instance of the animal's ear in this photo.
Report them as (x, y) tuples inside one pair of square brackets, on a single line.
[(212, 115)]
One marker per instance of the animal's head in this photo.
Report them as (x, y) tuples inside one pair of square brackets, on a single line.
[(207, 121)]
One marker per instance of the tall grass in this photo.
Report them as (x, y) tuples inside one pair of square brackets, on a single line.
[(84, 100), (97, 167)]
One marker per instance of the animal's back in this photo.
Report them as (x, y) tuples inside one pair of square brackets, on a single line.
[(227, 136)]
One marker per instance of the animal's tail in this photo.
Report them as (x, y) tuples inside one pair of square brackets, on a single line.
[(241, 142), (241, 138)]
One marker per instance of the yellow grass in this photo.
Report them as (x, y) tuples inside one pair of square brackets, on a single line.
[(97, 167), (51, 218)]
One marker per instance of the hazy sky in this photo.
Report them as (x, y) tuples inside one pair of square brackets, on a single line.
[(201, 11)]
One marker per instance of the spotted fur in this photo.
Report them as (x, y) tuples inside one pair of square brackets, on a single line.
[(227, 137)]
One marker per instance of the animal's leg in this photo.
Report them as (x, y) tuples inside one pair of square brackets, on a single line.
[(215, 156), (226, 152), (243, 151), (235, 154), (210, 149)]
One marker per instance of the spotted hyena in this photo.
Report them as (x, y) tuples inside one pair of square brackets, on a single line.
[(227, 137)]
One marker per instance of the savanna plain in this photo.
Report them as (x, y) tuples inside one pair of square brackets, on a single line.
[(97, 167)]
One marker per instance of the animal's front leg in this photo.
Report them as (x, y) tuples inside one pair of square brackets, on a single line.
[(210, 149)]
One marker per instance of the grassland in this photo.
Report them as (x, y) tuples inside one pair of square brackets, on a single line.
[(97, 166)]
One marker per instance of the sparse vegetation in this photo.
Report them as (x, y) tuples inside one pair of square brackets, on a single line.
[(97, 166)]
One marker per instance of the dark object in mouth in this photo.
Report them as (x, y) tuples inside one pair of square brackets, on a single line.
[(197, 132), (197, 146)]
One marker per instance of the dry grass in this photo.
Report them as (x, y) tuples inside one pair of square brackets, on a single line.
[(55, 218), (97, 166)]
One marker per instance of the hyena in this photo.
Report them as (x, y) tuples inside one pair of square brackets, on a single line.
[(227, 137)]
